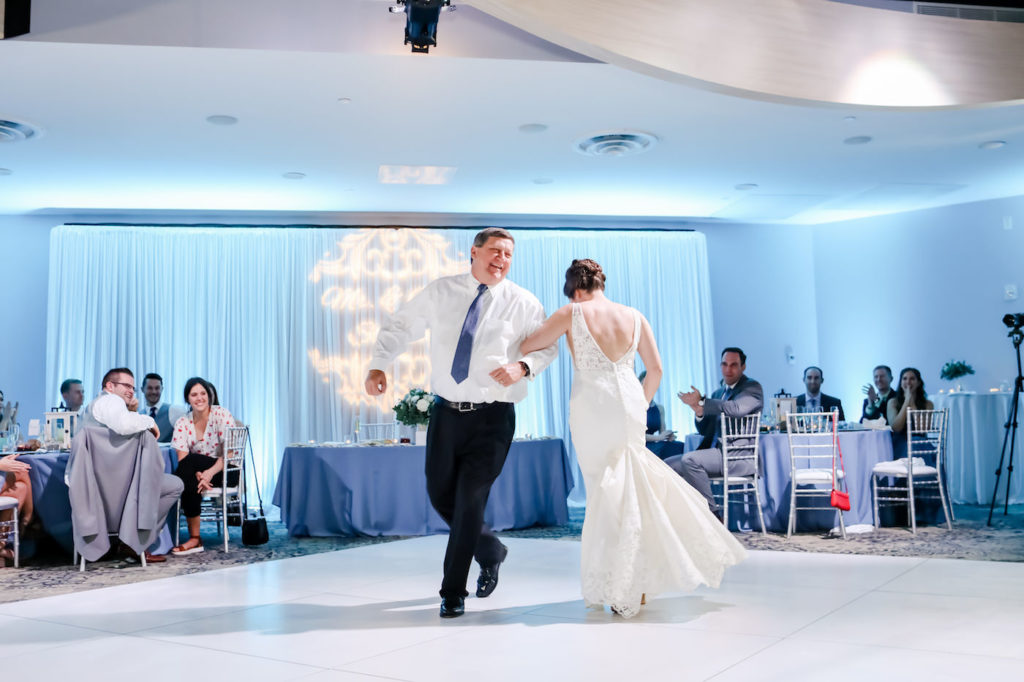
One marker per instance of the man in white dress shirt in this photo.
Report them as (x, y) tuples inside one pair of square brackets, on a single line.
[(116, 408), (477, 321)]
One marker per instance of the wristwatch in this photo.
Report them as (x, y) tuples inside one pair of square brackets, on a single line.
[(700, 403), (526, 368)]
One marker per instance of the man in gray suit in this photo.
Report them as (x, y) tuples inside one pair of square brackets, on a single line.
[(153, 389), (739, 397)]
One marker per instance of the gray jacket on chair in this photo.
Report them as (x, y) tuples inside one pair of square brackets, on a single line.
[(114, 486)]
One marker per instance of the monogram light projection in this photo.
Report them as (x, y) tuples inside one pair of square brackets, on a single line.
[(372, 272)]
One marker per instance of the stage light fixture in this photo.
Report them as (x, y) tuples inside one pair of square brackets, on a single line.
[(15, 18), (421, 17)]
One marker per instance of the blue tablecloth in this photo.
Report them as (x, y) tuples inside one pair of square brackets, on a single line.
[(53, 507), (344, 491), (977, 425), (862, 450)]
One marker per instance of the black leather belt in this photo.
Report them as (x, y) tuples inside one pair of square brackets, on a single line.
[(461, 407)]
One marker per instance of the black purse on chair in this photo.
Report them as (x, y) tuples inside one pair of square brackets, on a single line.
[(254, 529)]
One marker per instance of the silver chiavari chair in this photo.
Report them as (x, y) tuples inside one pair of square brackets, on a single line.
[(812, 464), (913, 477), (739, 441)]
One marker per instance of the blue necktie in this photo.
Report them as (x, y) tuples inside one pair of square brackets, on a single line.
[(460, 365)]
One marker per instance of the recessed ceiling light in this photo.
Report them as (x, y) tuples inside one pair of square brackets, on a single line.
[(745, 186), (542, 181), (293, 175), (344, 100), (858, 139), (849, 119), (13, 131), (415, 175), (221, 120), (992, 144), (5, 171), (615, 144), (532, 128)]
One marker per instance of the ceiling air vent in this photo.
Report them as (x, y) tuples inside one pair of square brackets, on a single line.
[(616, 144), (12, 131), (1010, 14)]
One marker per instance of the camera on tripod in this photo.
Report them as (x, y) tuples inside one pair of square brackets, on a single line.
[(1013, 321)]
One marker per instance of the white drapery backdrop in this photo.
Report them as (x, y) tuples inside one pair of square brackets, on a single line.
[(282, 320)]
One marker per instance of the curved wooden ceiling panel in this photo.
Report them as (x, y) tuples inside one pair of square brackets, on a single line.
[(789, 49)]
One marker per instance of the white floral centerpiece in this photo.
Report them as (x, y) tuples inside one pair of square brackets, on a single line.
[(415, 408)]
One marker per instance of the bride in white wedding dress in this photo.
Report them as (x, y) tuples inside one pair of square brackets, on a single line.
[(646, 531)]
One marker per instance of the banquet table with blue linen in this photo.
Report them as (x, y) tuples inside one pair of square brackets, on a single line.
[(862, 450), (53, 506), (974, 442), (382, 490)]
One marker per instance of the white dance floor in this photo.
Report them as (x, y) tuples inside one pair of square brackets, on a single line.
[(370, 613)]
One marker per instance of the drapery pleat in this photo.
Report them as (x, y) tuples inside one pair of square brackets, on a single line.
[(282, 320)]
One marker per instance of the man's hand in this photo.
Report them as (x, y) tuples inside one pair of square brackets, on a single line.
[(506, 375), (12, 464), (376, 382), (133, 404), (869, 390), (691, 398), (155, 431)]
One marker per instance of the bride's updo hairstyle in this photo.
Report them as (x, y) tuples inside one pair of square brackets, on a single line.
[(584, 275)]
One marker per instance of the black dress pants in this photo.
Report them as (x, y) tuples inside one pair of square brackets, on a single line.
[(465, 453), (191, 500)]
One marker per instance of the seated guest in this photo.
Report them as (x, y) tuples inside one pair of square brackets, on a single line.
[(115, 408), (16, 484), (911, 396), (152, 389), (659, 441), (876, 405), (199, 442), (72, 395), (739, 397), (813, 400)]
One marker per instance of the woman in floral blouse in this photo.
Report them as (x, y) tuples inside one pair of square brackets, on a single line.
[(199, 442)]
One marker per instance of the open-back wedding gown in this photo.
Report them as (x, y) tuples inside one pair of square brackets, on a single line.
[(646, 530)]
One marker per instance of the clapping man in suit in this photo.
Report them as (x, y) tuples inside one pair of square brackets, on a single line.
[(813, 400), (739, 397), (876, 404)]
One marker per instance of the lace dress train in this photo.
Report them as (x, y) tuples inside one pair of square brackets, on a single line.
[(646, 530)]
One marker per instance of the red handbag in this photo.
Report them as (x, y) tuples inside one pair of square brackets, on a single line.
[(838, 498)]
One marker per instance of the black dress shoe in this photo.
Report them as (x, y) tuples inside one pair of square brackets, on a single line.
[(452, 607), (488, 579)]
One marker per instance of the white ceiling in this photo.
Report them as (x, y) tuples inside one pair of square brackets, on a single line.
[(121, 90)]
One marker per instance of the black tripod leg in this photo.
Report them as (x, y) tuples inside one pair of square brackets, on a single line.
[(1010, 436), (1009, 465)]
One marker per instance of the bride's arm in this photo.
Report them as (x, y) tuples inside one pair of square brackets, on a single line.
[(648, 350), (548, 333)]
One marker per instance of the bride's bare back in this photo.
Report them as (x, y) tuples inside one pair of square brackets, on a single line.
[(611, 325)]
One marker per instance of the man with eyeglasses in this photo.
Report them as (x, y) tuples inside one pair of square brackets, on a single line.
[(116, 408)]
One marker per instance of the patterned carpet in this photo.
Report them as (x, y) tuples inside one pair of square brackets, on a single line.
[(50, 572)]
